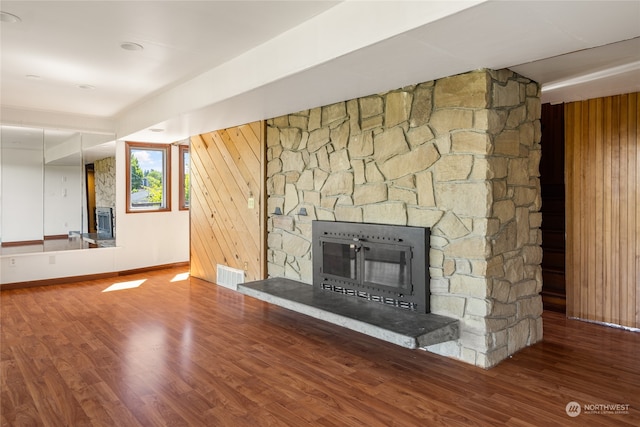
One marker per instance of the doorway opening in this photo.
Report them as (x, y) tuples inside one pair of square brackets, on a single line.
[(553, 208)]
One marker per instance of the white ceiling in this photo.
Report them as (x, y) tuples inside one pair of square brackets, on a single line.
[(212, 64), (71, 43)]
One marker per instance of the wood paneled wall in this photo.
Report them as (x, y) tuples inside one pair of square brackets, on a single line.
[(227, 170), (603, 219)]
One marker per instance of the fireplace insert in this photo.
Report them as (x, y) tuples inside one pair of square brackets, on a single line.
[(385, 263), (104, 223)]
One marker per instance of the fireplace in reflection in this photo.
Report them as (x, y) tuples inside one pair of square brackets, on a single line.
[(104, 222), (384, 263)]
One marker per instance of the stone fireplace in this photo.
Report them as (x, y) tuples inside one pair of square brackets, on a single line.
[(458, 155)]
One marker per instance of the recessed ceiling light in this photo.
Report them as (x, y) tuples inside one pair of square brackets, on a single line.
[(86, 87), (9, 17), (156, 130), (131, 46)]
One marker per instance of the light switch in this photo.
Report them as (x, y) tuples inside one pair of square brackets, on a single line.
[(251, 203)]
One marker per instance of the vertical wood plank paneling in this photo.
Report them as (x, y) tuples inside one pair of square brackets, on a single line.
[(636, 135), (629, 314), (637, 210), (603, 219), (228, 169), (615, 207), (570, 249), (633, 183), (596, 133), (608, 292), (588, 216), (624, 202)]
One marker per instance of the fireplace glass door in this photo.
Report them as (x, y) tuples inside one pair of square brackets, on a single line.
[(340, 259), (387, 266)]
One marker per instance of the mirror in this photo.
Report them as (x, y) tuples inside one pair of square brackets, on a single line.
[(63, 183), (46, 193), (21, 183)]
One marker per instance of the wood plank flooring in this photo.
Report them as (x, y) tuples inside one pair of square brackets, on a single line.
[(185, 352)]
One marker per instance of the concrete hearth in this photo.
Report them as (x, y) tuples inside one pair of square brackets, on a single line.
[(394, 325)]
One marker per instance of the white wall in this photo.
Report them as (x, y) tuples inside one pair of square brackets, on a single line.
[(142, 240), (153, 238), (49, 265)]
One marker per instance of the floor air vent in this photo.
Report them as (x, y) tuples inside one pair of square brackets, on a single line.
[(229, 277)]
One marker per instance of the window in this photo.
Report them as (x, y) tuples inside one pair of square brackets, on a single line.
[(185, 177), (148, 177)]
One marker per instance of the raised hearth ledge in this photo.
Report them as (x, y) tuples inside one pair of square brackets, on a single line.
[(398, 326)]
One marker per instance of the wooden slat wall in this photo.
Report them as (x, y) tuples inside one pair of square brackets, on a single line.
[(603, 218), (227, 168)]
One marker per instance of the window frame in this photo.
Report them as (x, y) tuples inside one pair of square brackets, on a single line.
[(184, 149), (166, 151)]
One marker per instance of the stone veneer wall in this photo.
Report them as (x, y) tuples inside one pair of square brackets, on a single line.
[(459, 155), (104, 173)]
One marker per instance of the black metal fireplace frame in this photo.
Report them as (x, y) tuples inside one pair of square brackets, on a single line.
[(411, 243)]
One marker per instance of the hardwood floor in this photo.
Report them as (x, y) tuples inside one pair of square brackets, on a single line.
[(188, 353)]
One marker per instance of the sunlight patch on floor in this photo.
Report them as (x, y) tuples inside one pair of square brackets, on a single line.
[(125, 285), (180, 277)]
